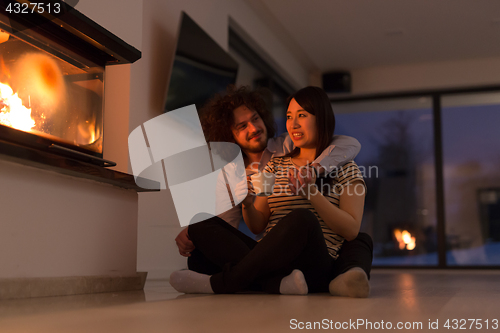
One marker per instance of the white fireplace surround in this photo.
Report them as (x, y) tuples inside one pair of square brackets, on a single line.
[(56, 226)]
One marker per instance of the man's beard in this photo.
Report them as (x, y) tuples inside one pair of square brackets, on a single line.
[(257, 148)]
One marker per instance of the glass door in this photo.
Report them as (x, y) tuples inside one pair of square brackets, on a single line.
[(471, 164), (397, 160)]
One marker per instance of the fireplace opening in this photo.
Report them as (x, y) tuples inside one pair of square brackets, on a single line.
[(52, 72), (48, 97)]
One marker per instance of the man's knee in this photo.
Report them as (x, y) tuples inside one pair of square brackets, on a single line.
[(362, 245), (365, 238), (202, 228)]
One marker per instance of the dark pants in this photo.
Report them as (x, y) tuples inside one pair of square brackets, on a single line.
[(239, 263)]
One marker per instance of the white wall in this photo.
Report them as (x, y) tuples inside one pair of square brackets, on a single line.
[(123, 18), (54, 225), (449, 74)]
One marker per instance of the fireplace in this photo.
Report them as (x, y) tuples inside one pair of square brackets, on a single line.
[(52, 72), (52, 134)]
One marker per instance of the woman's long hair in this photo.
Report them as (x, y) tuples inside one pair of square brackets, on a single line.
[(315, 101)]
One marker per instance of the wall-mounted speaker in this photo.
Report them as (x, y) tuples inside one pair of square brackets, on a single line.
[(337, 82)]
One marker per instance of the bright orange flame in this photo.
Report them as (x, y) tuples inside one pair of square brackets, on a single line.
[(405, 239), (4, 70), (4, 36), (86, 133), (13, 113), (92, 133), (39, 76)]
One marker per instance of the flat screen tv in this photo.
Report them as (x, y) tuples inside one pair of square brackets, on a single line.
[(201, 68)]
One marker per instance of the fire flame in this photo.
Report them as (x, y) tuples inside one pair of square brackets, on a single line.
[(13, 113), (405, 239), (4, 36), (86, 133), (41, 76)]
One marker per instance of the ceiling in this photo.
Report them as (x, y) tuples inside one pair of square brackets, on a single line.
[(353, 34)]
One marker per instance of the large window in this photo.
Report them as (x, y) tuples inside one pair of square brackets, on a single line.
[(471, 164), (397, 159), (435, 200)]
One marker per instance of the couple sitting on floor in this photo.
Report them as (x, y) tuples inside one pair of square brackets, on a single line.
[(310, 224)]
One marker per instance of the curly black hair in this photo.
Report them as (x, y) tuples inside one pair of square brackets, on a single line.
[(217, 117)]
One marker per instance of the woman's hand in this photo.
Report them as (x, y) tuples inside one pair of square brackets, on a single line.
[(302, 181), (255, 210), (241, 191), (248, 200)]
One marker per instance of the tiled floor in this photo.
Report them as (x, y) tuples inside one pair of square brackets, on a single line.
[(405, 297)]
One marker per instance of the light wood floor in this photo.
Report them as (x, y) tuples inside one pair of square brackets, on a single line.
[(409, 297)]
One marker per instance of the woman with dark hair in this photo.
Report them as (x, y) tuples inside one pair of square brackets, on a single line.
[(306, 220), (316, 100)]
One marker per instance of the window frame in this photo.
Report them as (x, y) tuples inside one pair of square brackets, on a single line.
[(436, 95)]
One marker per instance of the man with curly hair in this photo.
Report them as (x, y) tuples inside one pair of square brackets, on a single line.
[(240, 116)]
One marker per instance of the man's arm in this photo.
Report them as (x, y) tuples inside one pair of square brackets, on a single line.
[(223, 207), (280, 145), (342, 149)]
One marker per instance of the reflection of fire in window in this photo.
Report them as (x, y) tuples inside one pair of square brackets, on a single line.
[(405, 239)]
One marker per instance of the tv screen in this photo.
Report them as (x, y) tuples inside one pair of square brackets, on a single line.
[(201, 68)]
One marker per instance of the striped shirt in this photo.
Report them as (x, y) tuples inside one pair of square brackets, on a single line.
[(282, 202)]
